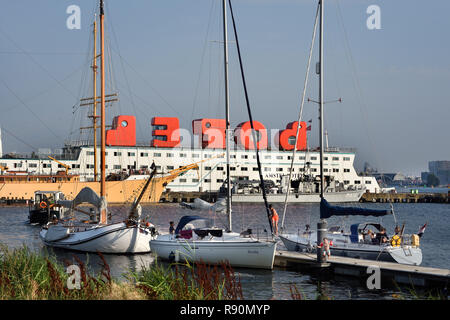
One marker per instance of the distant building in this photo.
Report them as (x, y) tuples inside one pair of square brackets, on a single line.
[(424, 176), (440, 169), (391, 179)]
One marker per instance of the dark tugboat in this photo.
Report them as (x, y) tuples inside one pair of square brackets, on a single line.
[(45, 207)]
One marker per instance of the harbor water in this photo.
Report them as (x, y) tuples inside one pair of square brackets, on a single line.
[(262, 284)]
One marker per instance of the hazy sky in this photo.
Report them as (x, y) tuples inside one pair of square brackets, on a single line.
[(167, 61)]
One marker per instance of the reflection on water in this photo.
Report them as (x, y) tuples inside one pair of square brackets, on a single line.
[(256, 284)]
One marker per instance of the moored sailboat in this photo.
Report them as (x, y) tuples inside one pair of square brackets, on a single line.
[(211, 244), (130, 236), (400, 248)]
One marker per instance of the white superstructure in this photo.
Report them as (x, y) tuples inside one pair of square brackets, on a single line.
[(211, 174)]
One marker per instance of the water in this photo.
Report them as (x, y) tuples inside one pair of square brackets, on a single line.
[(263, 284)]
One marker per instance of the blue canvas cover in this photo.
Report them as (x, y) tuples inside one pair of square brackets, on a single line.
[(186, 219), (327, 210), (354, 232)]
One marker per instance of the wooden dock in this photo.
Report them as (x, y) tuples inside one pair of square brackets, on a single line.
[(405, 197), (177, 197), (392, 272), (171, 196)]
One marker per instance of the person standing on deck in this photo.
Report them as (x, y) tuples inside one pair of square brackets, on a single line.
[(274, 217)]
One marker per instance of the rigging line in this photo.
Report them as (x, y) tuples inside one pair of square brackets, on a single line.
[(37, 63), (142, 100), (44, 91), (29, 109), (202, 59), (353, 69), (300, 114), (362, 104), (17, 138), (43, 53), (151, 87), (251, 118), (83, 85)]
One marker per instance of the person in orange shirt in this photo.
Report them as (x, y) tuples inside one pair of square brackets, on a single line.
[(326, 244), (274, 217)]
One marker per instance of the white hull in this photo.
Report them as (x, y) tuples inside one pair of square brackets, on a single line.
[(113, 238), (334, 197), (405, 254), (238, 251)]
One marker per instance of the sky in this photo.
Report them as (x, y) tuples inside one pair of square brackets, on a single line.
[(165, 59)]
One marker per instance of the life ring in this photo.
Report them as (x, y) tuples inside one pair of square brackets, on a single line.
[(43, 205), (396, 241)]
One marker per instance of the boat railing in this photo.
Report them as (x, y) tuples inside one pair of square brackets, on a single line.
[(262, 233), (406, 240)]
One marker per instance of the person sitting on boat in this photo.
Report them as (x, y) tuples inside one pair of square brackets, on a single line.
[(369, 236), (55, 219), (274, 217), (171, 228), (381, 236), (307, 229)]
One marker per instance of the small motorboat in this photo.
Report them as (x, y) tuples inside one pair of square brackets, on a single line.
[(45, 207)]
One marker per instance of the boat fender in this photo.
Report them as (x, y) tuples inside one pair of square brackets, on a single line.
[(396, 241)]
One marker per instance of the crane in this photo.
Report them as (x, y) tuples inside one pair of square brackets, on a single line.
[(63, 164), (194, 166)]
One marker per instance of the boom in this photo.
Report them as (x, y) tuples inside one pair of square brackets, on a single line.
[(63, 164)]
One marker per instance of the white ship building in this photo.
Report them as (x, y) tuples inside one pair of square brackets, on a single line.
[(211, 175)]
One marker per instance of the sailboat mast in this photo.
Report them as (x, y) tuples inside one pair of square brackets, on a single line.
[(321, 99), (102, 112), (94, 111), (227, 111)]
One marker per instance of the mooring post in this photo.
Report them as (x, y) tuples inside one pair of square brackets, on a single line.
[(321, 233)]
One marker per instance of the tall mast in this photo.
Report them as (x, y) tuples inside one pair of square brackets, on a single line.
[(103, 216), (321, 99), (227, 111), (94, 112)]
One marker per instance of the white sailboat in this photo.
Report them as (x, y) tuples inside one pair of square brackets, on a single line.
[(195, 240), (402, 249), (129, 236)]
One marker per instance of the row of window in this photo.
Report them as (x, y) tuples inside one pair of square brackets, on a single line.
[(232, 156), (266, 169), (183, 180)]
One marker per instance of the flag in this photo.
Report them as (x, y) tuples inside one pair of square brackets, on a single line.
[(422, 230)]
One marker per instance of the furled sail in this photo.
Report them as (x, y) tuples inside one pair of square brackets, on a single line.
[(327, 210), (86, 195)]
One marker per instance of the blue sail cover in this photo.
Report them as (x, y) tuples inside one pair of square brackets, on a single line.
[(327, 210), (186, 219)]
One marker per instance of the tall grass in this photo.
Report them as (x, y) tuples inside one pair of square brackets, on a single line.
[(185, 281), (26, 275)]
